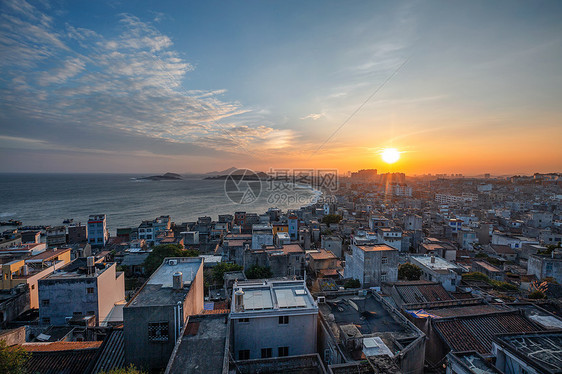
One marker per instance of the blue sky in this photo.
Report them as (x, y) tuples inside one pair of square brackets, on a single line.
[(194, 86)]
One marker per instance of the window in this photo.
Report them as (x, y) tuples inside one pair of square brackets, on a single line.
[(282, 351), (383, 277), (45, 302), (266, 353), (384, 260), (90, 290), (46, 320), (283, 320), (244, 320), (32, 286), (158, 331), (244, 354)]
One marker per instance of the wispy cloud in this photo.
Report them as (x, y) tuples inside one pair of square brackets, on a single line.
[(132, 82), (313, 116)]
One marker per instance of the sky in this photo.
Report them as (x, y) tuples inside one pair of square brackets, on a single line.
[(466, 87)]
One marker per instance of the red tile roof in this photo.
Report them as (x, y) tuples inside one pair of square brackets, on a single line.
[(475, 333)]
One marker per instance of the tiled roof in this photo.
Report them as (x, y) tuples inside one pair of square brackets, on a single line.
[(422, 292), (112, 353), (475, 333), (67, 362)]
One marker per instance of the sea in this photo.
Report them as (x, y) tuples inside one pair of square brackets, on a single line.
[(49, 199)]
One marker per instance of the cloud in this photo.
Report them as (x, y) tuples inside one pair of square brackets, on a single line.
[(131, 82), (314, 116)]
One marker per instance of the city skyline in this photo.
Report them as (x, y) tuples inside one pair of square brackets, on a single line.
[(468, 88)]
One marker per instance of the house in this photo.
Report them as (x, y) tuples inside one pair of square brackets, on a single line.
[(28, 271), (488, 269), (545, 266), (437, 269), (262, 235), (153, 319), (84, 287), (324, 264), (267, 316), (372, 265), (97, 230), (333, 244), (355, 327), (56, 236), (504, 251), (203, 346)]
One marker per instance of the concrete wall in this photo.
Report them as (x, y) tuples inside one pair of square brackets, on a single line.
[(13, 306), (139, 351), (266, 332), (150, 354), (111, 289), (333, 245), (13, 336), (67, 296)]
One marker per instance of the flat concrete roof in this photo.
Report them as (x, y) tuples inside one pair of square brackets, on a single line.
[(273, 296), (376, 247), (439, 264), (158, 290), (202, 346)]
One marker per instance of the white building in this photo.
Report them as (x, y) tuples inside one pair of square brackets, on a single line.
[(437, 269), (262, 235), (372, 264), (273, 319)]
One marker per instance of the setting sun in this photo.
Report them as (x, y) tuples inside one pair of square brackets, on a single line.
[(390, 155)]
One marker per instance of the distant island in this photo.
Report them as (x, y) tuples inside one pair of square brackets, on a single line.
[(236, 174), (165, 177)]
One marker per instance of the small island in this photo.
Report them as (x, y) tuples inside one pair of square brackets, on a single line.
[(165, 177)]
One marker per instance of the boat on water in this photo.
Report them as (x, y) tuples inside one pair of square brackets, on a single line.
[(11, 222)]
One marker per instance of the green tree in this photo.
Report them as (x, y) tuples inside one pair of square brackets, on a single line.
[(258, 272), (223, 267), (352, 283), (160, 252), (331, 218), (409, 272), (12, 359), (131, 369)]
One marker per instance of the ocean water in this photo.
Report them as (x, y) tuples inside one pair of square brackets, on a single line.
[(48, 199)]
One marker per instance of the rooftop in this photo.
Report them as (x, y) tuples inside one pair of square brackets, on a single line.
[(438, 264), (376, 248), (158, 290), (542, 350), (275, 296), (474, 363), (487, 266), (321, 254), (78, 269), (202, 346), (475, 333), (421, 292), (49, 254)]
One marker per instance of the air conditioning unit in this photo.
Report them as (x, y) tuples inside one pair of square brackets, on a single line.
[(321, 299), (172, 262)]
